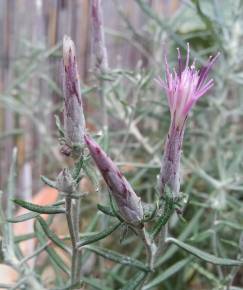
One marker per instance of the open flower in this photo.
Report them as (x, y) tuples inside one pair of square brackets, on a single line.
[(128, 203), (183, 88)]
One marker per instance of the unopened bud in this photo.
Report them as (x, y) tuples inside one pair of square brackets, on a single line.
[(74, 122), (128, 203), (65, 182), (99, 48)]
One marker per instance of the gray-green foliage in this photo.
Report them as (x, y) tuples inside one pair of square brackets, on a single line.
[(212, 160)]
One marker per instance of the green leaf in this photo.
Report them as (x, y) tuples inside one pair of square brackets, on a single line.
[(38, 208), (193, 224), (167, 273), (94, 282), (49, 182), (105, 209), (91, 174), (203, 255), (122, 259), (21, 238), (23, 217), (135, 281), (230, 243), (209, 275), (52, 236), (96, 237), (54, 257), (168, 210)]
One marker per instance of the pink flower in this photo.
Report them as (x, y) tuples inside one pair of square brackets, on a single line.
[(183, 89), (128, 203), (185, 86)]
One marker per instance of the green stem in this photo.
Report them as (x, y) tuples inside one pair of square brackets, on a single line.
[(73, 238)]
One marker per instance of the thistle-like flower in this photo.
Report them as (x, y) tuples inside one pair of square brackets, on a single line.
[(74, 122), (128, 203), (183, 88)]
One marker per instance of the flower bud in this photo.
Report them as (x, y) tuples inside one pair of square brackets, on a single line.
[(99, 48), (128, 203), (74, 122), (65, 182)]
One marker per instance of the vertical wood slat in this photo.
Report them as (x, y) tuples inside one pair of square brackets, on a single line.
[(8, 56)]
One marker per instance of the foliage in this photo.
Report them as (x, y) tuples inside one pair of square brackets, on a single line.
[(201, 249)]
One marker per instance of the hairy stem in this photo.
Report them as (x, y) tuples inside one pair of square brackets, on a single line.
[(72, 215)]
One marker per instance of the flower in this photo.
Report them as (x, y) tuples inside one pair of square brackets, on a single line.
[(74, 122), (185, 86), (128, 203)]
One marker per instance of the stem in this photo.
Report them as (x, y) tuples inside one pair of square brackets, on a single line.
[(151, 250), (76, 222), (150, 246), (161, 240), (72, 221), (215, 247)]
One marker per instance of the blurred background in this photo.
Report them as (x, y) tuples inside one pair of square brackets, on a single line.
[(31, 69), (137, 34)]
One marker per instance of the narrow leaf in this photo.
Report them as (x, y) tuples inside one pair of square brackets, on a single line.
[(105, 209), (38, 208), (59, 126), (49, 182), (167, 273), (168, 210), (23, 217), (21, 238), (97, 284), (184, 235), (52, 236), (122, 259), (135, 281), (54, 257), (204, 256), (96, 237)]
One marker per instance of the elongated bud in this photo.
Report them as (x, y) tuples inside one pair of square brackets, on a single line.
[(99, 48), (128, 203), (74, 122)]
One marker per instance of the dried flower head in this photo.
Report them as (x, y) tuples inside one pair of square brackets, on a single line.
[(74, 122), (185, 86), (128, 203)]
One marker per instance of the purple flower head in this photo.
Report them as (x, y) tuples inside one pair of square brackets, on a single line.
[(128, 203), (185, 86)]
